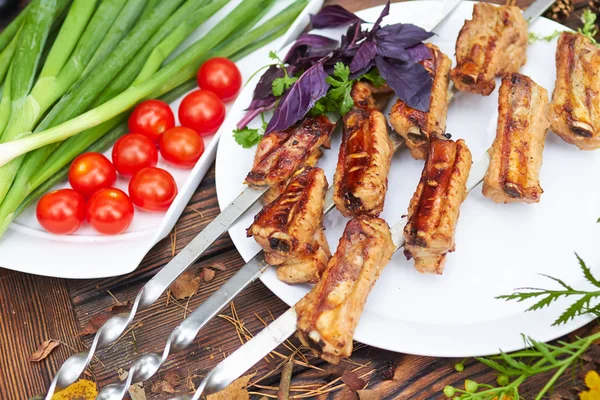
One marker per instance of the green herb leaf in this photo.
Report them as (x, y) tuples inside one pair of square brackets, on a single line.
[(374, 77), (534, 37), (247, 137), (589, 24), (545, 297), (280, 85)]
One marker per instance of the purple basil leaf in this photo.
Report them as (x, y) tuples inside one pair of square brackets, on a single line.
[(384, 13), (300, 98), (364, 55), (256, 107), (265, 84), (352, 36), (332, 16), (402, 35), (419, 52), (411, 81), (362, 71), (309, 45), (392, 50)]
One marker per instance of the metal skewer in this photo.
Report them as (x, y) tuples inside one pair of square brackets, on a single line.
[(112, 329)]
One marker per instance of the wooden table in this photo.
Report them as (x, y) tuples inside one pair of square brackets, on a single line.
[(35, 308)]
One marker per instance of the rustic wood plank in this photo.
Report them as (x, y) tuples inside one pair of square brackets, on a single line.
[(33, 309)]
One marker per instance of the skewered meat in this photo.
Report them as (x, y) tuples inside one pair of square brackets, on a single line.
[(364, 159), (516, 154), (434, 208), (281, 153), (329, 313), (575, 108), (416, 127), (290, 229), (491, 44)]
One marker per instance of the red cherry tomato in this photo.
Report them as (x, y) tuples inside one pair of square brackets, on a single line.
[(202, 111), (110, 211), (220, 76), (181, 147), (152, 189), (61, 212), (151, 118), (133, 152), (90, 172)]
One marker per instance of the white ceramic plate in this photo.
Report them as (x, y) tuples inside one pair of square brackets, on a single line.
[(498, 247), (26, 247)]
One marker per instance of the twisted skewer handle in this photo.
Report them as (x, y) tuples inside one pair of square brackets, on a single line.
[(185, 333), (114, 327)]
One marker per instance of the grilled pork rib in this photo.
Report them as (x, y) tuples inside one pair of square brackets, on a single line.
[(491, 44), (416, 127), (281, 153), (364, 159), (575, 107), (329, 313), (516, 154), (434, 208), (290, 229)]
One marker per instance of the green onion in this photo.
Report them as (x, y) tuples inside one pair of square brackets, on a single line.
[(182, 68), (5, 102), (174, 39), (46, 90), (30, 45), (6, 56), (122, 26), (130, 72)]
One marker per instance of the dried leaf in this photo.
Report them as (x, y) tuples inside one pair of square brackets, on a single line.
[(352, 380), (369, 395), (98, 320), (592, 354), (44, 350), (185, 286), (238, 390), (83, 389), (136, 391), (387, 371), (167, 384), (208, 274), (219, 266)]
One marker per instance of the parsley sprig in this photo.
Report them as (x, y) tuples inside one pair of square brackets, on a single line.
[(546, 297), (280, 85), (338, 98), (248, 137)]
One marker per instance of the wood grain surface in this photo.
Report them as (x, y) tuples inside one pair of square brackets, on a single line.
[(35, 308)]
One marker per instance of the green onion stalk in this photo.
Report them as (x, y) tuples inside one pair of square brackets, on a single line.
[(82, 93), (180, 69), (31, 41), (103, 136)]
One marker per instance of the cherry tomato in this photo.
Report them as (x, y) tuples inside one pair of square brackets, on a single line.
[(220, 76), (90, 172), (61, 212), (110, 211), (133, 152), (151, 118), (181, 147), (202, 111), (152, 189)]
